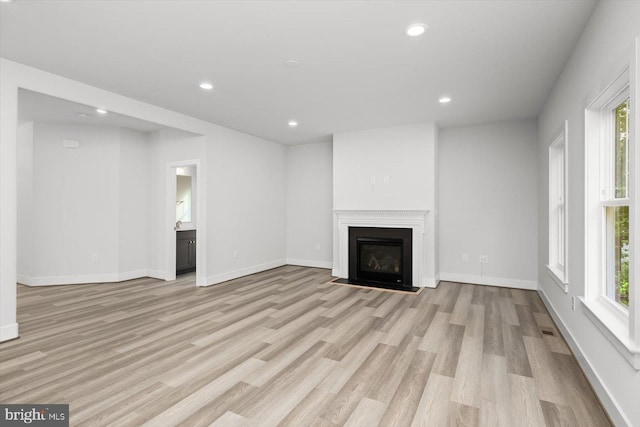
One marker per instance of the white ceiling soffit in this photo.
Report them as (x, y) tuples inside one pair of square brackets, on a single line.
[(356, 68), (37, 107)]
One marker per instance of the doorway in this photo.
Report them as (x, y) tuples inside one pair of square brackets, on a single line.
[(184, 226)]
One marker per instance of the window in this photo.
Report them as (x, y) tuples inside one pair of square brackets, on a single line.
[(615, 197), (611, 191), (557, 265)]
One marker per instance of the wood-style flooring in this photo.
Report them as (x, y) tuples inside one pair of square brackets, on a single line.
[(284, 347)]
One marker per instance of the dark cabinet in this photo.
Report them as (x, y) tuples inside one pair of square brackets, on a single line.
[(185, 251)]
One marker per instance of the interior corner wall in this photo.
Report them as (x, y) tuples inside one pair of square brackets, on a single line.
[(309, 205), (604, 48), (488, 203), (75, 204), (83, 212)]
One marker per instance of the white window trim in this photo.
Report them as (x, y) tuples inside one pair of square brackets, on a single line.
[(559, 272), (620, 326)]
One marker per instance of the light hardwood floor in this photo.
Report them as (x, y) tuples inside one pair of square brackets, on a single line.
[(284, 347)]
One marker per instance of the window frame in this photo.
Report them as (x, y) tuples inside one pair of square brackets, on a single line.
[(618, 324), (558, 256), (608, 192)]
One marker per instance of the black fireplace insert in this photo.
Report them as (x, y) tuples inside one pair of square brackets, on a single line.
[(380, 256)]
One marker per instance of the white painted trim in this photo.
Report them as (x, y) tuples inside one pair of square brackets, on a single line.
[(423, 239), (557, 279), (223, 277), (309, 263), (9, 332), (156, 274), (615, 330), (502, 282), (562, 272), (611, 406), (82, 279), (130, 275), (431, 282)]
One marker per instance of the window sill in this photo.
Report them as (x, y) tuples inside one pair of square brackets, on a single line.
[(614, 328), (558, 277)]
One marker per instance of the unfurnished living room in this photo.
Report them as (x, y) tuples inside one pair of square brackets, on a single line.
[(319, 213)]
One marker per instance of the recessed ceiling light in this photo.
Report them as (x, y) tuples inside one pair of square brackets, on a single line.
[(444, 100), (206, 86), (6, 1), (101, 111), (415, 30), (292, 63), (292, 123)]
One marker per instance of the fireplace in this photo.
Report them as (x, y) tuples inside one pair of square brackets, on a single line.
[(380, 256)]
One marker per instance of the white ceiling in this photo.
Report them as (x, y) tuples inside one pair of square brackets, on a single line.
[(36, 107), (497, 59)]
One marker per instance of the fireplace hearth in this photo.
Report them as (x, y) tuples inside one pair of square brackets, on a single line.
[(381, 257)]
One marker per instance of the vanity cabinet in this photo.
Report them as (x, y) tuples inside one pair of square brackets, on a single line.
[(185, 251)]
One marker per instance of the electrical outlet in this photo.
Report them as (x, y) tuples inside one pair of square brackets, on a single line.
[(465, 257), (573, 303), (235, 254), (317, 247), (95, 258), (484, 259)]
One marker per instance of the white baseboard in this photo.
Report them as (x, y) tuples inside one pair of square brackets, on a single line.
[(83, 278), (430, 282), (129, 275), (223, 277), (502, 282), (310, 263), (610, 405), (8, 332), (156, 274)]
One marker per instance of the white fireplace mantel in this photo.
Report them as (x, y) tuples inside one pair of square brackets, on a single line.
[(423, 238)]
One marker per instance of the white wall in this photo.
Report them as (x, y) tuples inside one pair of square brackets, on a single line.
[(134, 203), (246, 205), (75, 204), (392, 168), (309, 204), (488, 203), (84, 211), (404, 155), (604, 47), (25, 198)]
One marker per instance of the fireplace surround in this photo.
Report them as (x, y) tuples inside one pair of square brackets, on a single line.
[(423, 239)]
